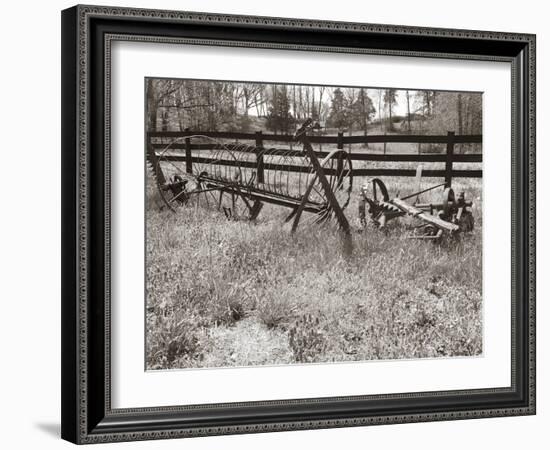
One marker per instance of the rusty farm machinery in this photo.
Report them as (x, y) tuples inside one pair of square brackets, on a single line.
[(449, 215), (238, 179)]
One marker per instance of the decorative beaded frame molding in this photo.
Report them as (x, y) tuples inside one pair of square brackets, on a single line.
[(87, 416)]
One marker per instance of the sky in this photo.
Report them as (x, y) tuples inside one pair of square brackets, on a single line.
[(400, 108)]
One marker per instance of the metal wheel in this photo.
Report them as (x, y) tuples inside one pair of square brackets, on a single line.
[(175, 184), (379, 190), (375, 194), (199, 185), (448, 201), (174, 192)]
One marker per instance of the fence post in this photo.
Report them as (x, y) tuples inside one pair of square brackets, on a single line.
[(340, 141), (340, 162), (449, 158), (188, 154), (260, 156)]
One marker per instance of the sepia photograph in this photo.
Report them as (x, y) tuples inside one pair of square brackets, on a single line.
[(297, 224), (279, 223)]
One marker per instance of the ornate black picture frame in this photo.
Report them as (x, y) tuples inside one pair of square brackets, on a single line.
[(87, 34)]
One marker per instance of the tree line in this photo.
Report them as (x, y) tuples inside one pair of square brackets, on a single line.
[(281, 108)]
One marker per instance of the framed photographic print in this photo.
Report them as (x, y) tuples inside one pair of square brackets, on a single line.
[(279, 224)]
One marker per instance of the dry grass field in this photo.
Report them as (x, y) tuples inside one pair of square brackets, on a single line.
[(235, 293)]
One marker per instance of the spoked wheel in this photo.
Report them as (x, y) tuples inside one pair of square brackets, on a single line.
[(337, 168), (174, 192), (209, 183), (176, 187)]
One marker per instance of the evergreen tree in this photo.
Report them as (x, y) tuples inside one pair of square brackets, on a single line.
[(363, 110), (279, 117), (339, 112)]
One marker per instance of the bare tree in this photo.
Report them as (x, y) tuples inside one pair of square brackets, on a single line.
[(157, 92), (407, 94), (321, 93), (380, 107), (390, 100), (459, 113)]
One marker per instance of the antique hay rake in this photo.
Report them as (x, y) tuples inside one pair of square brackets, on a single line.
[(238, 179), (217, 172)]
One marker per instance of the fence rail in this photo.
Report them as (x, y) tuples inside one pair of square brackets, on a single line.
[(334, 139), (257, 141)]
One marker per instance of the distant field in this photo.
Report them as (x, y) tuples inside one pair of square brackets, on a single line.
[(234, 293)]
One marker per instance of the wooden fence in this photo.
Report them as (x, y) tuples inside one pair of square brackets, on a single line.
[(158, 140)]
